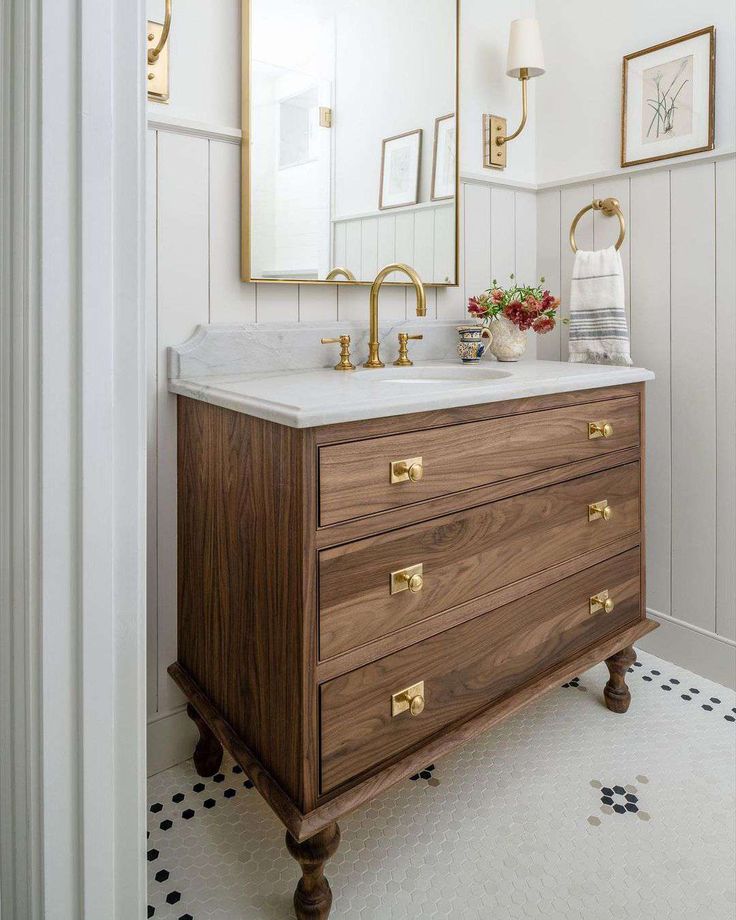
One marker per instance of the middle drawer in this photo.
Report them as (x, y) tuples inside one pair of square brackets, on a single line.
[(366, 589)]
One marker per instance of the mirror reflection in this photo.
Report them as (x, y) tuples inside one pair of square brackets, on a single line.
[(352, 155)]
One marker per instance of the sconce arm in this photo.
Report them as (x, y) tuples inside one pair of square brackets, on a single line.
[(524, 80), (154, 53)]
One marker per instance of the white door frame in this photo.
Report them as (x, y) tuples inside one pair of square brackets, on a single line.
[(72, 470)]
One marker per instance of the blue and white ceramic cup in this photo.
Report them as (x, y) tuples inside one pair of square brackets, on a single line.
[(473, 344)]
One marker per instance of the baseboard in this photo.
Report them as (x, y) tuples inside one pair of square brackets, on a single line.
[(171, 740), (693, 648)]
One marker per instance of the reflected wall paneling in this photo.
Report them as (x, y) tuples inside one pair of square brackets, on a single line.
[(679, 262), (194, 251)]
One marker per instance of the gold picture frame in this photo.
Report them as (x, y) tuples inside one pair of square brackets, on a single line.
[(413, 197), (245, 190), (667, 100), (433, 186)]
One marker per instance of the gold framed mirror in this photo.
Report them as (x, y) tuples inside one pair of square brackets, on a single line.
[(350, 140)]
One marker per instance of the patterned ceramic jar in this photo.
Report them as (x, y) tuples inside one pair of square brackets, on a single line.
[(474, 340), (509, 342)]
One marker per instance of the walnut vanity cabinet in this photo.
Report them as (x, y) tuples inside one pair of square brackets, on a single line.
[(356, 600)]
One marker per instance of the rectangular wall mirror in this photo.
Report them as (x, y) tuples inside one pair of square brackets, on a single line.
[(349, 139)]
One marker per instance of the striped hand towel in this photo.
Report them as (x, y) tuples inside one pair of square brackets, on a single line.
[(598, 330)]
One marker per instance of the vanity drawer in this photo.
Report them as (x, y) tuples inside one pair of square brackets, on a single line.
[(466, 555), (355, 478), (466, 668)]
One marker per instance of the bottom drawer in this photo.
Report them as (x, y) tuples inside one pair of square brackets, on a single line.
[(468, 667)]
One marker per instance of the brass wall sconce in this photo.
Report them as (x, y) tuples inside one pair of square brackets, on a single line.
[(157, 59), (525, 60)]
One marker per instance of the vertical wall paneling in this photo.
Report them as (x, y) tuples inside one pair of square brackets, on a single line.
[(477, 236), (725, 189), (572, 199), (352, 303), (231, 301), (404, 241), (606, 229), (183, 302), (444, 249), (548, 235), (277, 303), (339, 253), (152, 423), (649, 235), (354, 247), (525, 232), (369, 247), (424, 242), (693, 394), (451, 302), (386, 240), (317, 302), (503, 234)]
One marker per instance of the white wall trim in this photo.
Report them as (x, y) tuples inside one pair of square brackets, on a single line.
[(73, 394), (164, 122), (691, 647), (172, 737), (672, 163)]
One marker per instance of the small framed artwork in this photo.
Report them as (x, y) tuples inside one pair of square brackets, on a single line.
[(443, 158), (668, 105), (400, 157)]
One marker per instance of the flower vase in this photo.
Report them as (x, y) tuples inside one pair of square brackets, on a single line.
[(509, 342)]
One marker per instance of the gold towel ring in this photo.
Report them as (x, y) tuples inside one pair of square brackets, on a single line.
[(609, 207)]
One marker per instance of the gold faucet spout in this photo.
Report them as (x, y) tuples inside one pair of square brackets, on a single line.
[(339, 270), (374, 359)]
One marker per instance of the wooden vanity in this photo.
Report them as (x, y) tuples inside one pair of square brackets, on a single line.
[(357, 599)]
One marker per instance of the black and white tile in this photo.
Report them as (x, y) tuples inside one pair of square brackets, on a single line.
[(565, 811)]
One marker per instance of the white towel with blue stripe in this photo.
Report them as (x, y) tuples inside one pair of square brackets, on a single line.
[(598, 330)]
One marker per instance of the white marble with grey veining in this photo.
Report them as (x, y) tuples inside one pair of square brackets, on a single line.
[(276, 372)]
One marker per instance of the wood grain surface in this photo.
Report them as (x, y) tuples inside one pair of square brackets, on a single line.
[(466, 555), (466, 668), (354, 478)]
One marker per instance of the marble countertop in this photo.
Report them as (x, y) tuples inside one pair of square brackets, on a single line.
[(322, 396)]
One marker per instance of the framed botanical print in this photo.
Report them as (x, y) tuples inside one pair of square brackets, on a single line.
[(400, 157), (443, 158), (668, 106)]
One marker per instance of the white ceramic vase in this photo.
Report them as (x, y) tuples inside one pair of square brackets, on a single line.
[(509, 342)]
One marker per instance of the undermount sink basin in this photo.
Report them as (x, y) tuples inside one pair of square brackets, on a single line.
[(466, 375)]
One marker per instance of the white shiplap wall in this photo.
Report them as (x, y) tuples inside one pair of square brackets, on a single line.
[(679, 258), (194, 277)]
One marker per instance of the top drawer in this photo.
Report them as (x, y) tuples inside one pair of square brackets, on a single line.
[(355, 479)]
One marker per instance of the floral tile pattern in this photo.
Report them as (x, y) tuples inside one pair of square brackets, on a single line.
[(565, 810)]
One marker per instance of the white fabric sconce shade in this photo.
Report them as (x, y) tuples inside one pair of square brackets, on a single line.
[(525, 49)]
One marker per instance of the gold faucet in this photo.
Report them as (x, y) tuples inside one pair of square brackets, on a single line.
[(374, 359), (345, 272)]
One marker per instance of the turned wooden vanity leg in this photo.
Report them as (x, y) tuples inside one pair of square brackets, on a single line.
[(208, 752), (616, 692), (313, 897)]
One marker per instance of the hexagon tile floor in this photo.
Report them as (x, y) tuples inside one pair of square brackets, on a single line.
[(566, 811)]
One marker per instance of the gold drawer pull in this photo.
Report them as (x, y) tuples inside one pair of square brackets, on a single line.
[(409, 579), (599, 430), (600, 511), (601, 602), (411, 699), (410, 470)]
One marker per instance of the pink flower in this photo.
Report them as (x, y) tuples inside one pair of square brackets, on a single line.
[(497, 295), (543, 324), (475, 307)]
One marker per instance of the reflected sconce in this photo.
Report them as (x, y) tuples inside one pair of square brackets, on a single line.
[(157, 58), (525, 60)]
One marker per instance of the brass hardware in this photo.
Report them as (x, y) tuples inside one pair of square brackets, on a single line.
[(411, 470), (157, 58), (410, 700), (403, 359), (374, 359), (495, 138), (610, 207), (601, 602), (344, 364), (599, 430), (409, 579), (339, 270), (600, 511), (325, 116)]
